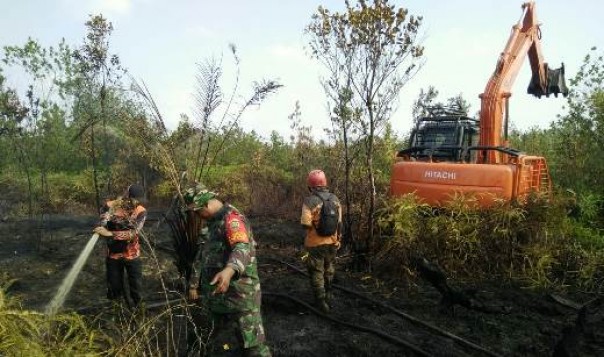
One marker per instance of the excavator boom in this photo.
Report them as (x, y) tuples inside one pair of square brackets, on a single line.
[(524, 40)]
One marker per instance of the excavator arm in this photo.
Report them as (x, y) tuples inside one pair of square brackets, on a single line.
[(524, 40)]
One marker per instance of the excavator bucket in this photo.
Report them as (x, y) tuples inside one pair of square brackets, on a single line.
[(556, 83)]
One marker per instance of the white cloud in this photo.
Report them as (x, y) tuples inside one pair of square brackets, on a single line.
[(289, 52), (174, 102), (119, 7), (106, 7), (199, 31)]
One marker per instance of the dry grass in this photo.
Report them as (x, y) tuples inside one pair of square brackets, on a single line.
[(30, 333), (534, 243)]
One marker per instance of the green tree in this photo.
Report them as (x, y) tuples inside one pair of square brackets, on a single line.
[(12, 114), (12, 111), (428, 98), (578, 137), (425, 99), (34, 145), (96, 81), (370, 51), (279, 152)]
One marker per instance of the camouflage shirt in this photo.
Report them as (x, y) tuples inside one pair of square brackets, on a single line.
[(126, 222), (228, 242)]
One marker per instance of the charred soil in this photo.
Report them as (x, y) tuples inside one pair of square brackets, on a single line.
[(382, 316)]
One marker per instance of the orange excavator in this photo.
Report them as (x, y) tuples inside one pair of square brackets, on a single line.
[(451, 153)]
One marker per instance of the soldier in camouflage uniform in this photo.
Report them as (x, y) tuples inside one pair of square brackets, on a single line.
[(321, 249), (226, 274)]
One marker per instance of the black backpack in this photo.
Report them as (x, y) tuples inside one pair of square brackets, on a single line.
[(329, 217)]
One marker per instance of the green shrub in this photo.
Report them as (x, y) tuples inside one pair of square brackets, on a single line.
[(534, 243)]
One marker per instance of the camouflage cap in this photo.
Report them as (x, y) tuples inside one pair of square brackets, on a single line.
[(198, 195)]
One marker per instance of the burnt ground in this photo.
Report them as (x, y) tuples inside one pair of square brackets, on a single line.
[(38, 254)]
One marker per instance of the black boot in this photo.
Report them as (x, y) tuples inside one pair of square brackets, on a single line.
[(328, 294), (329, 298), (321, 301), (323, 306)]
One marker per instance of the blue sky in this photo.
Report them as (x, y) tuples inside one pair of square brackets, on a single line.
[(160, 42)]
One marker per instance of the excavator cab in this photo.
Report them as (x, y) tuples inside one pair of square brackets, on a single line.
[(443, 134), (555, 83)]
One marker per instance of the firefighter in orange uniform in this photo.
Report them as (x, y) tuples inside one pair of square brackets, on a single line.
[(323, 233)]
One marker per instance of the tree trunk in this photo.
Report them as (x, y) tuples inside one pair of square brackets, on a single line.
[(94, 171), (347, 239), (372, 194), (21, 157), (105, 157)]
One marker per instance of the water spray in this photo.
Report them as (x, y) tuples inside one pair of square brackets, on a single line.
[(66, 285)]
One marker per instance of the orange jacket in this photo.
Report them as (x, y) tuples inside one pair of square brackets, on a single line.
[(311, 211)]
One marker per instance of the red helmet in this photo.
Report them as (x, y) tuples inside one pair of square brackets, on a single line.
[(316, 178)]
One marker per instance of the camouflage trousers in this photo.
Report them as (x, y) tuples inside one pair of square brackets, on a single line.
[(238, 334), (321, 269)]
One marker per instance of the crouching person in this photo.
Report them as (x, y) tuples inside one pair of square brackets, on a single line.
[(226, 274)]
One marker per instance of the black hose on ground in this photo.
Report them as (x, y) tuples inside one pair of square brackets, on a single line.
[(398, 312), (393, 339)]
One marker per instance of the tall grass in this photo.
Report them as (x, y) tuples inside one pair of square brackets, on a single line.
[(166, 328), (536, 244), (30, 333)]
